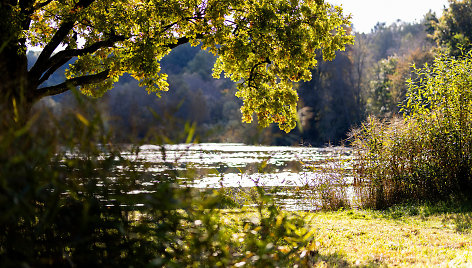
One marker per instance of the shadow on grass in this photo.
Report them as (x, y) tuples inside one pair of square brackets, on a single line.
[(425, 210), (339, 260), (462, 222), (458, 214)]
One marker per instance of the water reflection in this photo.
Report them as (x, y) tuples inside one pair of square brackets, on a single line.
[(298, 172)]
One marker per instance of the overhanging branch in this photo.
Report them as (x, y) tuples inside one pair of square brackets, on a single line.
[(183, 40), (64, 29), (71, 83), (70, 53), (62, 57)]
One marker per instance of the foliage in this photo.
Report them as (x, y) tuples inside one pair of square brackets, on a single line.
[(380, 99), (262, 45), (427, 155), (453, 30), (388, 89), (382, 62), (328, 105), (72, 198), (367, 78), (405, 70)]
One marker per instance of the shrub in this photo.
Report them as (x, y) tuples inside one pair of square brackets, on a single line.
[(426, 156)]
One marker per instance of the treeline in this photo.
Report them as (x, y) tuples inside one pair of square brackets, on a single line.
[(366, 79)]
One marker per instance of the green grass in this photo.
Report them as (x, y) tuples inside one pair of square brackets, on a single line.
[(404, 237), (415, 236), (375, 238)]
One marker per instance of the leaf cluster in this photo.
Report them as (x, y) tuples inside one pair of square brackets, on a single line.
[(263, 45), (453, 30)]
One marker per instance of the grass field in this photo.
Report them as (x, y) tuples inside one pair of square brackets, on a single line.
[(401, 237), (378, 239)]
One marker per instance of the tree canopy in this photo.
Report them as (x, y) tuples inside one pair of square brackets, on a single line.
[(263, 45), (453, 30)]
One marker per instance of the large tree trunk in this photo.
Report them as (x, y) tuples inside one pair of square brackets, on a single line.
[(16, 96)]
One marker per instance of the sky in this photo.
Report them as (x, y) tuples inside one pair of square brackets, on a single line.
[(366, 13)]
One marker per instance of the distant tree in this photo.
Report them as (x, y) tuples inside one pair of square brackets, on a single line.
[(264, 46), (382, 62), (405, 70), (360, 56), (329, 104), (399, 38), (388, 87), (379, 99), (383, 40), (429, 21), (453, 30)]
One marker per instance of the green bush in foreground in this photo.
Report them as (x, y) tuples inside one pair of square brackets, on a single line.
[(427, 155), (69, 198)]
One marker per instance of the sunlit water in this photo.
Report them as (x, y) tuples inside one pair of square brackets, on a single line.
[(297, 172)]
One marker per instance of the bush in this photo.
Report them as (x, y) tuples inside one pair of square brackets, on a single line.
[(426, 156)]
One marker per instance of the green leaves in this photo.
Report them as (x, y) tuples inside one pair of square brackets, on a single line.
[(263, 45), (274, 44), (453, 30), (442, 88)]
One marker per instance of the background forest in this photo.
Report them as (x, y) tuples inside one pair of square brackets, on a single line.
[(368, 78)]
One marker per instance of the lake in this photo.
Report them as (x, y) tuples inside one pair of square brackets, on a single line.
[(300, 174)]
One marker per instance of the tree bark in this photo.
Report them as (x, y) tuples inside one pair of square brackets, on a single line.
[(15, 91), (16, 97)]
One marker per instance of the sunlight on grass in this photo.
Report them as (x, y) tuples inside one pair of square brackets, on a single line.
[(371, 238)]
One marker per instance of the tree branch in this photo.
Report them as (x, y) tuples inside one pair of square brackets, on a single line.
[(252, 73), (70, 83), (52, 69), (62, 57), (184, 40), (64, 29), (70, 53), (41, 5)]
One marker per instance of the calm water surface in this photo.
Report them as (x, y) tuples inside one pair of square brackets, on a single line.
[(298, 172)]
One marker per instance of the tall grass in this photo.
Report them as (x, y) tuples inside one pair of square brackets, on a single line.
[(427, 155)]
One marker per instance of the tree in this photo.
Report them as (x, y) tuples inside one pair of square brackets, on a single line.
[(453, 29), (329, 101), (263, 45), (380, 100)]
